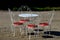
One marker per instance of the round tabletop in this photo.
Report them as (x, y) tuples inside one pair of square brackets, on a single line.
[(28, 15)]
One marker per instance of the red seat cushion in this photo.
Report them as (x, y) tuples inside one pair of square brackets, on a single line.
[(23, 21), (43, 24), (17, 23), (31, 25)]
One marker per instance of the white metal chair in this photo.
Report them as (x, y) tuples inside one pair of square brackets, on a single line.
[(16, 22), (46, 21)]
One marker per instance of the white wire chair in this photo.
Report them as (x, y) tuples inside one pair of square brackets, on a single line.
[(46, 21), (16, 21)]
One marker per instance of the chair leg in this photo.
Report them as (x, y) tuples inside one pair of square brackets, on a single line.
[(14, 34), (14, 31), (29, 37)]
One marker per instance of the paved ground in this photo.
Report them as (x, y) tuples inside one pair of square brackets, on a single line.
[(5, 26)]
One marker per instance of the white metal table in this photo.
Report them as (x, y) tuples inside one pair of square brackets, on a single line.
[(26, 15)]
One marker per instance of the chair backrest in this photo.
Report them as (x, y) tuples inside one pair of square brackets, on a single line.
[(10, 13), (46, 19), (15, 19), (50, 21), (24, 8)]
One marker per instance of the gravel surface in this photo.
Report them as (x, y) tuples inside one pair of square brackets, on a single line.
[(5, 26)]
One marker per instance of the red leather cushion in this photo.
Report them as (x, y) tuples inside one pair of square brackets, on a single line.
[(31, 25), (43, 24), (23, 21), (17, 23)]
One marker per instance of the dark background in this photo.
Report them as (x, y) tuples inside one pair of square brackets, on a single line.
[(5, 4)]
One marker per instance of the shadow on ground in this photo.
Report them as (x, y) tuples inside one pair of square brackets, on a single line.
[(56, 33)]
